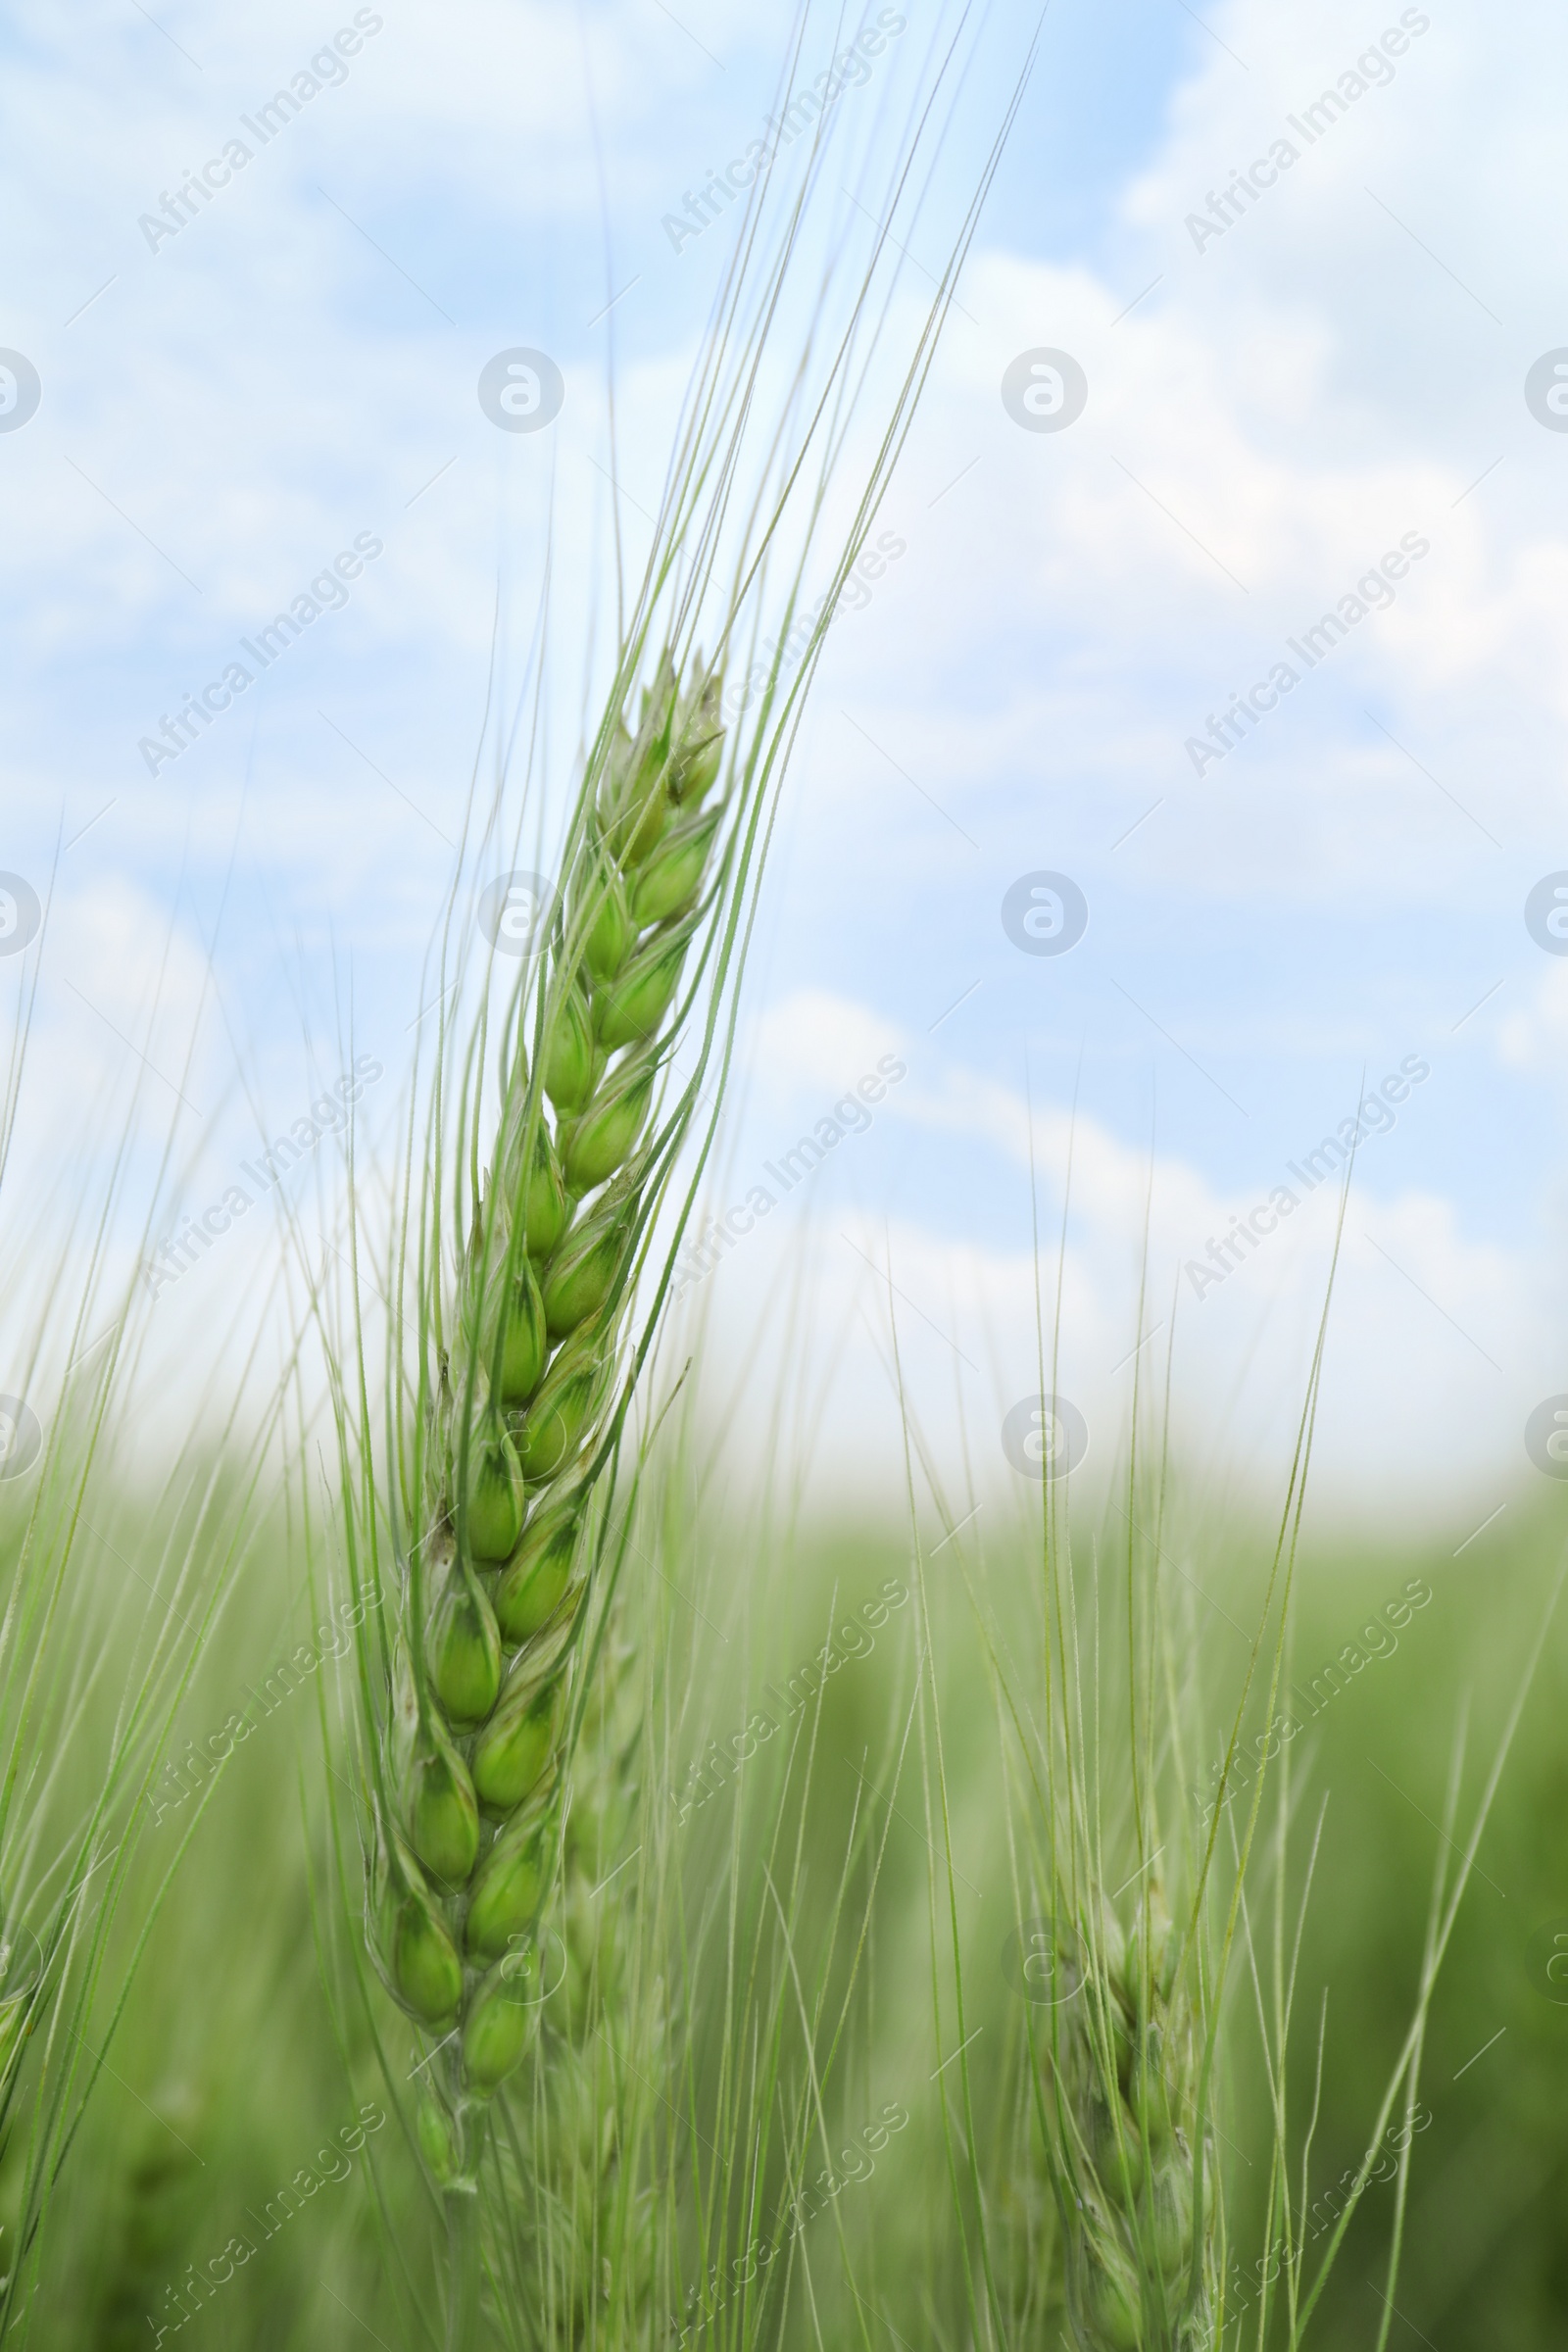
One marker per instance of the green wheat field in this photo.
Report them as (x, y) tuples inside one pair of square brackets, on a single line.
[(807, 1938)]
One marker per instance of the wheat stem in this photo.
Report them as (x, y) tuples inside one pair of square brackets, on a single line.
[(462, 2219)]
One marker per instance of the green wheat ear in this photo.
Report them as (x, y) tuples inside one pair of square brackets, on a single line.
[(473, 1738), (1143, 2263)]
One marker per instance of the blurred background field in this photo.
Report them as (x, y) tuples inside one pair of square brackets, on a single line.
[(822, 1871)]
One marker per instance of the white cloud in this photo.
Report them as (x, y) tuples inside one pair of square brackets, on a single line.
[(1439, 1340), (1534, 1036), (1269, 418)]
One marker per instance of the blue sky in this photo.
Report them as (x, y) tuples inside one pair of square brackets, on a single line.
[(1340, 370)]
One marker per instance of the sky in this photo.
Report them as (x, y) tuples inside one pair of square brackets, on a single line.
[(1305, 393)]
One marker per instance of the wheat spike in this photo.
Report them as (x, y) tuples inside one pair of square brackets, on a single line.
[(468, 1845), (1143, 2264)]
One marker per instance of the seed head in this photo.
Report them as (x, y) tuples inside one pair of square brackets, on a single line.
[(465, 1649), (632, 1005), (572, 1062), (440, 1807), (603, 908), (422, 1958), (525, 1340), (595, 1144), (632, 802), (697, 770), (519, 1742), (530, 1176), (495, 1495), (568, 1396), (673, 875), (582, 1273), (478, 1744), (1127, 2070), (500, 2027), (534, 1581), (508, 1330), (510, 1885)]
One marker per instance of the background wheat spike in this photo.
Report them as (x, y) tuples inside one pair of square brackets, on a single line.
[(1140, 2221)]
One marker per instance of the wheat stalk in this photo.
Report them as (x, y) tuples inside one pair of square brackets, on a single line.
[(476, 1533)]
